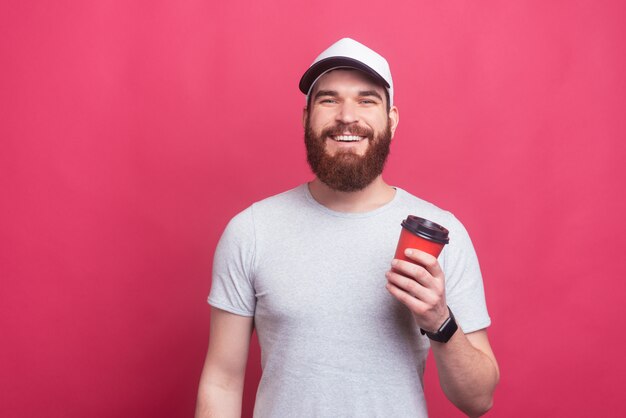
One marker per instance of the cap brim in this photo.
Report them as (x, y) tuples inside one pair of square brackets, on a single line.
[(326, 64)]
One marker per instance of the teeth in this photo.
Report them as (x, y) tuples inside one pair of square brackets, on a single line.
[(348, 138)]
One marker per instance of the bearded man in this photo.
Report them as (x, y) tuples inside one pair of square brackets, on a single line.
[(344, 327)]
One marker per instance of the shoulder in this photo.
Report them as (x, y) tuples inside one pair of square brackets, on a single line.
[(287, 198), (283, 206), (269, 208)]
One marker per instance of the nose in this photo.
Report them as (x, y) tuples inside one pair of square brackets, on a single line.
[(347, 112)]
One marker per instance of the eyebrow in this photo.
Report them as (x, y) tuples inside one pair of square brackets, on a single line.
[(333, 93), (371, 93), (321, 93)]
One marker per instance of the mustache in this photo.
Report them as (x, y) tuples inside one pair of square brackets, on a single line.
[(352, 129)]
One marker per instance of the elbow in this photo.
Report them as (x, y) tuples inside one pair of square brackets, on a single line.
[(478, 408), (483, 410), (482, 403)]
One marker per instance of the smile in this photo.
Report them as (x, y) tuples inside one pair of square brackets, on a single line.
[(347, 138)]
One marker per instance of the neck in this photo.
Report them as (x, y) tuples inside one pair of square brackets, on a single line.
[(375, 195)]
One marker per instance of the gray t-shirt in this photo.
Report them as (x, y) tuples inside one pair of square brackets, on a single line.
[(334, 342)]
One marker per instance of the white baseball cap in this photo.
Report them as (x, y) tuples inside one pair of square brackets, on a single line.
[(348, 53)]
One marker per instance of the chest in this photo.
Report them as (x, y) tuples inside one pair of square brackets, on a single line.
[(326, 277)]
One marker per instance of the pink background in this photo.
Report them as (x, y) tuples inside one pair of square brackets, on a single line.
[(133, 130)]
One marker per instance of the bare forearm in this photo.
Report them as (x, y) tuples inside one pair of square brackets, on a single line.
[(215, 401), (467, 375)]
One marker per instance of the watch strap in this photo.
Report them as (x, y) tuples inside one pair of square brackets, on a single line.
[(445, 331)]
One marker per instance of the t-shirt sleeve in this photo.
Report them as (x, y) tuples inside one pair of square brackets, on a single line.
[(232, 286), (464, 284)]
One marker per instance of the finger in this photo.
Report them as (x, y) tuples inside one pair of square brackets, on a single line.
[(412, 287), (426, 314), (425, 260), (412, 270), (414, 304)]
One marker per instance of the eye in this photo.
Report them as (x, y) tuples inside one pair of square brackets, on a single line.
[(328, 101)]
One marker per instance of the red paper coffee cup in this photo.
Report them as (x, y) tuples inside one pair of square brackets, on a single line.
[(423, 235)]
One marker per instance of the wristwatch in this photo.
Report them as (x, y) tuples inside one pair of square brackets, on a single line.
[(445, 331)]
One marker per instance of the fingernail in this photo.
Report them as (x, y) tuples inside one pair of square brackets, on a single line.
[(394, 262), (408, 251)]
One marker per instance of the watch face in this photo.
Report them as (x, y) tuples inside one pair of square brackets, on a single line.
[(445, 332)]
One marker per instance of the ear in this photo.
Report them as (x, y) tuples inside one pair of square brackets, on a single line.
[(304, 116), (394, 118)]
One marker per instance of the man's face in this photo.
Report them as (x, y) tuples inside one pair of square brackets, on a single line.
[(348, 130)]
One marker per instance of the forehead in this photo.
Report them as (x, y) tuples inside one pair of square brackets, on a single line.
[(346, 80)]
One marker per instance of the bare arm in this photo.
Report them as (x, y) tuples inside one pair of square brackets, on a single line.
[(468, 371), (221, 384)]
